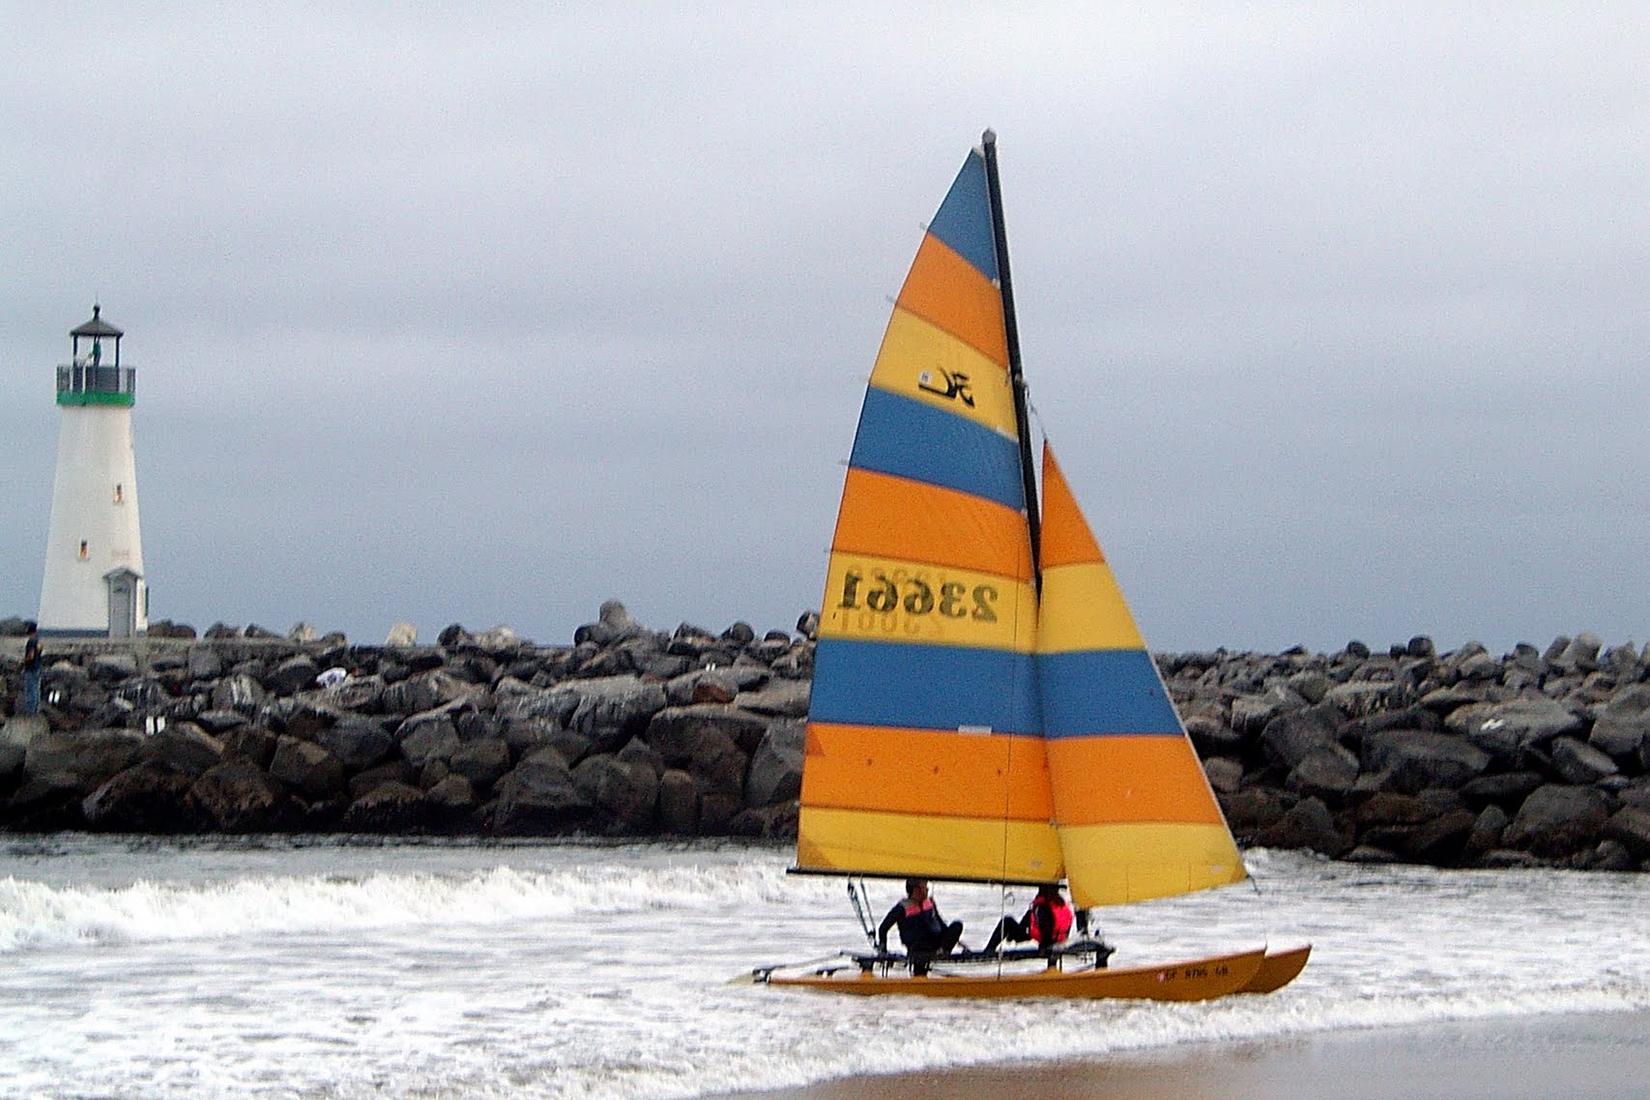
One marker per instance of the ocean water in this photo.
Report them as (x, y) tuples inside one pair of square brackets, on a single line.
[(304, 968)]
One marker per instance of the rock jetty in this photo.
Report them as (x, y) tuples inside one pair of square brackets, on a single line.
[(1456, 759)]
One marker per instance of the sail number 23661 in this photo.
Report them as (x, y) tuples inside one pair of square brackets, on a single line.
[(915, 596)]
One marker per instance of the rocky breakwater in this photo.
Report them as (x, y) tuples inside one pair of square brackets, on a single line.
[(1454, 759), (626, 732), (1460, 759)]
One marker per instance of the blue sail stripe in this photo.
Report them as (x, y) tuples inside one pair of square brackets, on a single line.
[(923, 686), (906, 438), (1103, 691), (964, 218)]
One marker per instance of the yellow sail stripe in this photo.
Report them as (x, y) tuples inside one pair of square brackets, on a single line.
[(888, 600), (871, 843), (922, 361), (1138, 861), (1083, 608)]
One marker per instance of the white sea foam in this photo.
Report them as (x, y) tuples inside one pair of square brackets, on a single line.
[(562, 970)]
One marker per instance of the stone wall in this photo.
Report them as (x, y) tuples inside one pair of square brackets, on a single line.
[(1455, 759)]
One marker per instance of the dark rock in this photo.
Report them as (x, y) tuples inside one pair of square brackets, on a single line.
[(481, 762), (361, 694), (236, 797), (776, 766), (1556, 820), (147, 798), (1630, 826), (1442, 840), (238, 692), (393, 771), (627, 795), (1504, 729), (678, 803), (87, 757), (432, 738), (1290, 737), (1410, 761), (1213, 737), (1252, 713), (538, 798), (1387, 808), (1307, 824), (451, 798), (778, 698), (358, 743), (184, 747), (424, 691), (219, 722), (292, 675), (1253, 809), (1328, 772), (716, 813), (740, 634), (307, 767), (1225, 775), (1611, 855), (112, 668), (677, 732), (387, 808), (808, 625), (1487, 829), (1505, 789), (1577, 762), (1370, 853), (254, 744), (1623, 724)]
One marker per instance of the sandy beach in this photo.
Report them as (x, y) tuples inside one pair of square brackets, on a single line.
[(1574, 1057)]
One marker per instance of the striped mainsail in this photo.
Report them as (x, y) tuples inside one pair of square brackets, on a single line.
[(924, 749), (959, 728)]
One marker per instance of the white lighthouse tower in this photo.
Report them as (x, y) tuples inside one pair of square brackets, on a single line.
[(94, 582)]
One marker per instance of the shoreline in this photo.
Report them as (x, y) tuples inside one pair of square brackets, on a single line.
[(1579, 1056)]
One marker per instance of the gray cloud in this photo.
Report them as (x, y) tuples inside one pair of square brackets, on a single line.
[(1336, 319)]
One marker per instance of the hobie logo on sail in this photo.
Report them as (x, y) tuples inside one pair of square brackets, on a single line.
[(956, 385)]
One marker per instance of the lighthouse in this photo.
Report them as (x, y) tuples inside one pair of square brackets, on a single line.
[(94, 582)]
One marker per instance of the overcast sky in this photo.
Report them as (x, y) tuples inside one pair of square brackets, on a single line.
[(487, 313)]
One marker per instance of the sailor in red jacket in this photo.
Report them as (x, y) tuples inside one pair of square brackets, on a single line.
[(1047, 922), (921, 928)]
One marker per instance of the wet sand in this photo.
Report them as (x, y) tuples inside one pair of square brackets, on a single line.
[(1572, 1057)]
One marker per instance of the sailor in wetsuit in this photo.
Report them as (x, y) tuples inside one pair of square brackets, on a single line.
[(921, 928), (1047, 922)]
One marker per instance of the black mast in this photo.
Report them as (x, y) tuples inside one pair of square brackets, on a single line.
[(1011, 329)]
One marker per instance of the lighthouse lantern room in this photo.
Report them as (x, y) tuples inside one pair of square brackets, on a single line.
[(94, 582)]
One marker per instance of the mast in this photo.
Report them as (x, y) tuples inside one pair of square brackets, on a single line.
[(1011, 329)]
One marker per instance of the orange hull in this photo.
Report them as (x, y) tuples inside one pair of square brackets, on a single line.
[(1278, 970), (1191, 980)]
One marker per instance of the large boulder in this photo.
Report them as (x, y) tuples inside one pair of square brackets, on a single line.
[(236, 797), (387, 808), (1558, 820), (1578, 762), (1307, 824), (1410, 761), (292, 675), (778, 698), (240, 693), (147, 798), (1329, 772), (358, 743), (678, 803), (307, 767), (1293, 735), (424, 691), (1623, 724), (776, 766), (84, 758), (539, 798), (482, 762), (678, 733), (184, 747), (1504, 730), (627, 795), (428, 738)]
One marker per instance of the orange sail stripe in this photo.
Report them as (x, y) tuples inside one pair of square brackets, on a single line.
[(935, 525), (946, 290), (1115, 779), (1067, 539), (926, 772)]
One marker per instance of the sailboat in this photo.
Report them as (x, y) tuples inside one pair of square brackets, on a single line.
[(984, 709)]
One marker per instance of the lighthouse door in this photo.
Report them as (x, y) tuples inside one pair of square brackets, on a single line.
[(122, 603)]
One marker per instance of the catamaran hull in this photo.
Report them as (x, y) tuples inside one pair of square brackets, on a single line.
[(1278, 969), (1192, 980)]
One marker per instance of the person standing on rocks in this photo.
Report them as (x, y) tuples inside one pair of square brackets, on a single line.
[(31, 668)]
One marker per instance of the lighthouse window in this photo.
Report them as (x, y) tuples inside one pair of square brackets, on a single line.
[(120, 494), (85, 551)]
